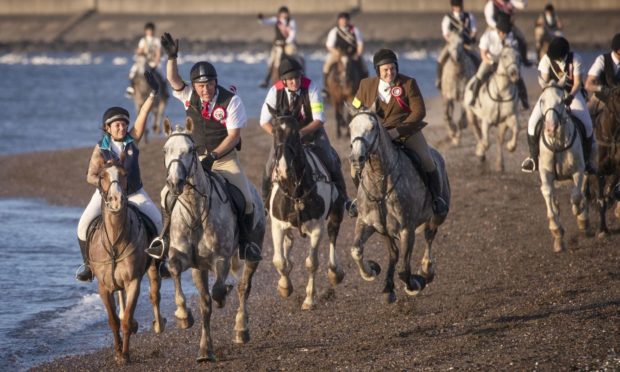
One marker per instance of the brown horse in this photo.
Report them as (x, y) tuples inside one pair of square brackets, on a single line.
[(142, 91), (118, 259), (607, 133), (342, 82)]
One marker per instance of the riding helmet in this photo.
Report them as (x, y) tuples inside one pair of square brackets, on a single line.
[(558, 48), (615, 42), (289, 68), (549, 8), (503, 23), (344, 15), (283, 9), (202, 72), (383, 57), (456, 3), (113, 114)]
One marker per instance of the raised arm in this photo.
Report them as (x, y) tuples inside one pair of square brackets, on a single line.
[(138, 128), (171, 46)]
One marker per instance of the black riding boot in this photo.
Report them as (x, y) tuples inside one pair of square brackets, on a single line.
[(523, 94), (440, 206), (248, 250), (266, 191), (475, 88), (531, 164), (587, 151), (84, 275)]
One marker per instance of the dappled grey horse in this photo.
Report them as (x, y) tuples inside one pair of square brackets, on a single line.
[(393, 201), (496, 105), (204, 236)]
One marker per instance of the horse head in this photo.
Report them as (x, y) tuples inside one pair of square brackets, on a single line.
[(365, 135), (456, 47), (180, 156), (287, 142), (112, 185), (553, 109), (509, 62)]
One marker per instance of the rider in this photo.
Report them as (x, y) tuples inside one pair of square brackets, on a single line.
[(285, 39), (345, 39), (495, 9), (548, 25), (400, 106), (459, 22), (296, 92), (563, 66), (491, 44), (118, 140), (219, 115), (149, 47), (604, 75)]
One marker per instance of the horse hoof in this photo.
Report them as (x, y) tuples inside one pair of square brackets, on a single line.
[(602, 234), (390, 298), (242, 337), (428, 274), (335, 276), (415, 285), (559, 246), (210, 357), (121, 359), (158, 327), (285, 292), (187, 322), (308, 306)]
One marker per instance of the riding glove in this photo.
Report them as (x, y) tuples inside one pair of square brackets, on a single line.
[(170, 45)]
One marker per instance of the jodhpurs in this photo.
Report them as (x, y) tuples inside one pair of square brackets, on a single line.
[(229, 167), (578, 108), (484, 71)]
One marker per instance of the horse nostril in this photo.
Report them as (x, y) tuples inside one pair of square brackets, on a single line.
[(361, 159)]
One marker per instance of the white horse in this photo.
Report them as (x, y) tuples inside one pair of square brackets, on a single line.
[(204, 236), (457, 70), (496, 105), (561, 158)]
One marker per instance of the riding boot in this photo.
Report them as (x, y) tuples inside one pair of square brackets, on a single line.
[(85, 274), (587, 151), (531, 164), (248, 250), (475, 88), (523, 94), (266, 192), (440, 206)]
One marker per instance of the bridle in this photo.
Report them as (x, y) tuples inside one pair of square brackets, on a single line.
[(369, 145), (192, 151), (563, 117), (104, 194), (505, 74)]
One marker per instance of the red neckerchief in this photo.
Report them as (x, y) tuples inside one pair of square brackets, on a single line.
[(205, 111)]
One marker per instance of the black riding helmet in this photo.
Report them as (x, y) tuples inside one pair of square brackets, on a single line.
[(558, 48), (456, 3), (202, 72), (383, 57), (113, 114), (289, 68), (615, 42)]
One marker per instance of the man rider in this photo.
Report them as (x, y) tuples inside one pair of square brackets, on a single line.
[(149, 46), (345, 39), (495, 9), (491, 44), (285, 41), (459, 22), (296, 93), (401, 108), (219, 115), (563, 66), (603, 76)]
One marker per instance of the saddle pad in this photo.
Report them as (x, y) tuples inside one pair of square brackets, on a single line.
[(236, 197), (151, 230), (319, 170)]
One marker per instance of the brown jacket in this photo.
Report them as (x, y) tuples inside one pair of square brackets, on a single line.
[(393, 115)]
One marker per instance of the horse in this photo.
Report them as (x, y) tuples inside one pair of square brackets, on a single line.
[(118, 260), (393, 201), (342, 81), (458, 69), (543, 35), (496, 105), (302, 198), (607, 134), (204, 236), (561, 158), (142, 91)]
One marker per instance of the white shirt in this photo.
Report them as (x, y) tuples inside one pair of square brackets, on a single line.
[(545, 64), (117, 147), (489, 10), (384, 91), (292, 27), (445, 23), (491, 42), (150, 45), (316, 104), (236, 117), (333, 35), (598, 67)]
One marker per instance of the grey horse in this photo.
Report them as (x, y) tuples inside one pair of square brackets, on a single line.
[(204, 236), (393, 201)]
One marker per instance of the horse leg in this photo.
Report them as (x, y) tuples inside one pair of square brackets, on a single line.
[(603, 231), (312, 264), (553, 212), (339, 118), (201, 281), (184, 316), (159, 322), (578, 201), (121, 303), (129, 325), (428, 262), (242, 333), (280, 260), (368, 269), (513, 125), (413, 283), (222, 268), (113, 321), (501, 133), (335, 273), (388, 289)]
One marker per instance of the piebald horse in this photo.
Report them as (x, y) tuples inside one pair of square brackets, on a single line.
[(204, 237), (458, 69), (118, 260), (561, 158), (496, 105), (393, 201), (302, 198)]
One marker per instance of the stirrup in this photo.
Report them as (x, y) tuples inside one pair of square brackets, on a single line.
[(528, 166), (157, 248), (79, 271)]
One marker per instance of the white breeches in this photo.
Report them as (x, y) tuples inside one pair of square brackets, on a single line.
[(140, 198), (578, 108)]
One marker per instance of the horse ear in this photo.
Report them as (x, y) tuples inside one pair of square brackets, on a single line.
[(272, 111), (189, 124), (167, 126), (350, 109)]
